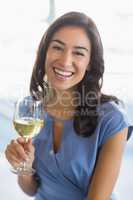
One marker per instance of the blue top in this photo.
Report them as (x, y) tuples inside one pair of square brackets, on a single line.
[(66, 174)]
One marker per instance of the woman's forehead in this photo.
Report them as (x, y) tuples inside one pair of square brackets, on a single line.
[(72, 34)]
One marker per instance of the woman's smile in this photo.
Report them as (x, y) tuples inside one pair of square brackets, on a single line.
[(62, 74)]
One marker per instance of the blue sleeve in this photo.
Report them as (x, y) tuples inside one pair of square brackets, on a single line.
[(114, 122)]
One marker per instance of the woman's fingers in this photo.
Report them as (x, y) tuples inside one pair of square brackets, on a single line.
[(19, 150), (28, 146), (12, 157), (21, 140), (11, 152), (13, 161), (15, 153)]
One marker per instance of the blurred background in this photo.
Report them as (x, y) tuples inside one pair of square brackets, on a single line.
[(22, 24)]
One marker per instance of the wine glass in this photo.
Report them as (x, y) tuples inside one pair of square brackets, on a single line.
[(28, 120)]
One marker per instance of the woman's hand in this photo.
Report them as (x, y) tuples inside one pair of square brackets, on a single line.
[(18, 151)]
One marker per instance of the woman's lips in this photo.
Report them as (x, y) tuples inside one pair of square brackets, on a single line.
[(62, 74)]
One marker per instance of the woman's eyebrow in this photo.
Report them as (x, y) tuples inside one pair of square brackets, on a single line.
[(58, 41), (81, 47), (75, 47)]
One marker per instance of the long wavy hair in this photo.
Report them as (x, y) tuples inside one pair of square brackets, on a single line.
[(86, 114)]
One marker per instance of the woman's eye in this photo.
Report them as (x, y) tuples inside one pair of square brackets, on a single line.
[(57, 48), (79, 53)]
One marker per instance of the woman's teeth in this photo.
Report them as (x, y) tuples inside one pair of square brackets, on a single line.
[(63, 73)]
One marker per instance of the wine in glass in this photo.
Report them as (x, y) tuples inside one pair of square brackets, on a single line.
[(28, 121)]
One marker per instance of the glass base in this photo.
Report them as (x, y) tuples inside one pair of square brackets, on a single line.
[(20, 171)]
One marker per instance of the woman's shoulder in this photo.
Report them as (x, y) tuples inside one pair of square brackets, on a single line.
[(113, 118), (113, 113), (111, 108)]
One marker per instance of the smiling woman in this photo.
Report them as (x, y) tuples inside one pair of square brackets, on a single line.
[(77, 155)]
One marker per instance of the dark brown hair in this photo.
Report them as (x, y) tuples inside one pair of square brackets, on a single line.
[(86, 115)]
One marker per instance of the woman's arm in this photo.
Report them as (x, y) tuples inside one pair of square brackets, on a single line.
[(28, 184), (107, 167)]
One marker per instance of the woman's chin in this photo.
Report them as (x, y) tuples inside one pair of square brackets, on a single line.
[(61, 87)]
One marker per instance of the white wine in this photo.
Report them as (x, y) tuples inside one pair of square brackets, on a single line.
[(28, 127)]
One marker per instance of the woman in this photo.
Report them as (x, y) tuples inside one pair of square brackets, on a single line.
[(77, 155)]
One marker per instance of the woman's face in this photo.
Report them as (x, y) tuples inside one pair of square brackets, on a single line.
[(67, 57)]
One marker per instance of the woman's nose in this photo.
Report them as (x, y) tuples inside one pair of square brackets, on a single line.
[(67, 59)]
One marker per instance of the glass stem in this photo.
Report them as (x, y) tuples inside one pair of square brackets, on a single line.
[(24, 163)]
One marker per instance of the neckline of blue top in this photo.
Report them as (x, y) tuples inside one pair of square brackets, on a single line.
[(58, 119)]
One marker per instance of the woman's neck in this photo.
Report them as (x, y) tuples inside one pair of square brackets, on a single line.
[(62, 105)]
